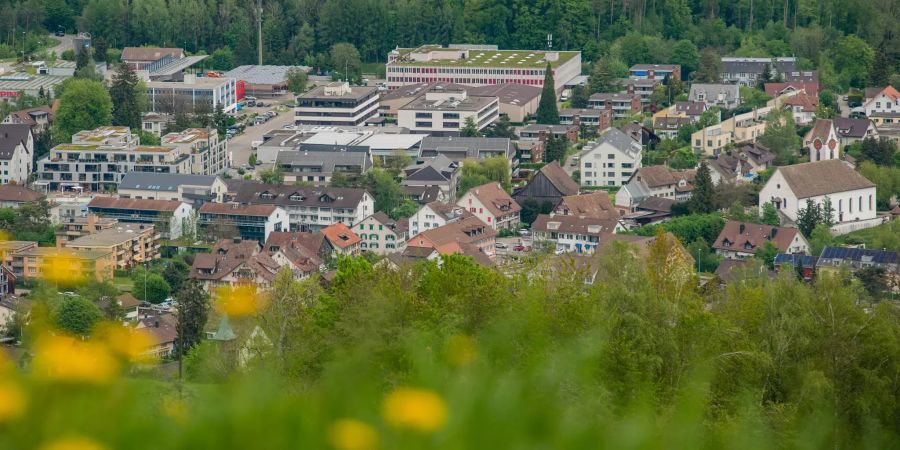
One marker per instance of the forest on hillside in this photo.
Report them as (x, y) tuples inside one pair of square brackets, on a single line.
[(303, 31)]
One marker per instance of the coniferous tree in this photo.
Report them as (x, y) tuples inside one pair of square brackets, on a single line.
[(193, 311), (469, 129), (547, 112), (808, 217), (125, 94), (579, 97), (880, 74), (100, 48), (703, 197)]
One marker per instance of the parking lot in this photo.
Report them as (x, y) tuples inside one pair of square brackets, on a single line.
[(240, 146)]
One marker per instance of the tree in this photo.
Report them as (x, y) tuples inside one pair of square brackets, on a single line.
[(385, 188), (547, 112), (77, 315), (296, 80), (770, 215), (873, 280), (193, 312), (766, 254), (703, 196), (880, 151), (148, 286), (176, 273), (100, 48), (288, 301), (820, 238), (781, 136), (345, 60), (406, 208), (469, 129), (764, 77), (602, 78), (128, 98), (83, 59), (502, 128), (855, 58), (555, 149), (753, 98), (709, 67), (808, 217), (579, 97), (685, 53), (221, 59), (271, 176), (84, 105), (677, 18), (827, 213), (881, 72)]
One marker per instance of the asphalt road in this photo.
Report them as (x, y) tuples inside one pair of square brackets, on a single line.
[(239, 146), (65, 43)]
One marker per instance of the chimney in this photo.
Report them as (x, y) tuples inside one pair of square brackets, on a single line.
[(156, 323), (774, 232), (237, 240), (741, 228)]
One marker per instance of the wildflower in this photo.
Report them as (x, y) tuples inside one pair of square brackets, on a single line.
[(240, 301), (128, 343), (350, 434), (418, 409), (12, 400), (460, 350), (61, 358), (73, 443), (61, 268)]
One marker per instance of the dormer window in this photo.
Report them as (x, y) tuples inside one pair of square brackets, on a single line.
[(726, 243), (297, 197), (267, 195), (748, 246)]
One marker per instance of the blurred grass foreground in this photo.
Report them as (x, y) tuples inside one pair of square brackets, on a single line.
[(456, 356)]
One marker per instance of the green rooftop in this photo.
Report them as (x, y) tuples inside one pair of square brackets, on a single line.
[(485, 58)]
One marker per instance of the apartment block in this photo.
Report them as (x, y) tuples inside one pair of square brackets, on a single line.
[(33, 263), (444, 112), (131, 244), (337, 103), (621, 105)]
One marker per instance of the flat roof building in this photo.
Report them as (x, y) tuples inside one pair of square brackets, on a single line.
[(337, 103), (318, 167), (191, 94), (445, 112), (264, 81), (132, 244), (479, 65)]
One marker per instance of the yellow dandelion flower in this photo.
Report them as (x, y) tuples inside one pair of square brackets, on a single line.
[(61, 358), (351, 434), (12, 401), (460, 350), (62, 268), (128, 343), (417, 409), (240, 301), (73, 443)]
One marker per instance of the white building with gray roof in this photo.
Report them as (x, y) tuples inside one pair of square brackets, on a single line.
[(319, 166), (192, 189), (727, 96), (611, 160)]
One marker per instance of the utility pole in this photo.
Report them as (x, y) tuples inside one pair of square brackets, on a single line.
[(259, 30)]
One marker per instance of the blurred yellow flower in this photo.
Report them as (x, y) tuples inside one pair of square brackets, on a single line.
[(126, 342), (73, 443), (350, 434), (240, 301), (62, 268), (461, 350), (62, 358), (418, 409), (12, 401), (5, 236)]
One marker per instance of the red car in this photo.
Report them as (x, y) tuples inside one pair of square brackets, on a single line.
[(521, 248)]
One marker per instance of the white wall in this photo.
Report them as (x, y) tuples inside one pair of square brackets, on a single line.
[(598, 164)]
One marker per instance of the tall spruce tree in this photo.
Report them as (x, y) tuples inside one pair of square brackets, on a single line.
[(125, 94), (703, 196), (193, 311), (547, 113)]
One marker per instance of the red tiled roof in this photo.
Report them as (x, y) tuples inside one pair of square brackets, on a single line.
[(740, 234), (340, 235)]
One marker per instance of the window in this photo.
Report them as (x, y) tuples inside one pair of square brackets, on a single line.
[(860, 203), (587, 165), (610, 156), (627, 165), (870, 202)]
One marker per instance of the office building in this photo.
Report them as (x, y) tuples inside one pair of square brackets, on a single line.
[(445, 112), (192, 94), (337, 103)]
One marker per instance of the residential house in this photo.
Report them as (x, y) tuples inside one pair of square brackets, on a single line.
[(233, 262), (250, 222), (852, 196), (737, 129), (748, 71), (836, 259), (777, 89), (740, 240), (132, 244), (414, 255), (538, 132), (192, 189), (310, 243), (14, 195), (343, 239), (804, 265), (162, 328), (318, 167), (459, 149), (170, 218), (667, 127), (600, 119), (570, 233), (16, 153), (382, 235), (822, 141), (803, 107), (725, 96), (727, 167), (308, 208), (424, 194), (642, 87), (643, 135), (595, 205), (650, 210), (436, 171), (756, 155), (34, 262), (74, 227), (853, 130), (469, 235), (156, 123), (436, 215), (611, 161), (883, 107), (655, 181), (549, 184), (620, 105), (490, 203), (130, 305), (7, 248), (39, 118), (656, 71)]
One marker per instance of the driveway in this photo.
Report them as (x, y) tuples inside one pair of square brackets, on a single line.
[(843, 107), (239, 146), (65, 43)]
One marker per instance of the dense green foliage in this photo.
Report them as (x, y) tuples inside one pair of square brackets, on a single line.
[(29, 222), (84, 105), (129, 98), (690, 228), (547, 112), (77, 315)]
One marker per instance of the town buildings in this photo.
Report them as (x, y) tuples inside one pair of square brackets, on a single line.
[(192, 94), (147, 58), (490, 203), (822, 141), (192, 189), (883, 107), (600, 119), (344, 241), (337, 103), (64, 263), (549, 184), (725, 96), (518, 101), (39, 118), (436, 171), (382, 235), (741, 240), (318, 167), (572, 233), (479, 65), (656, 71), (655, 181), (308, 208), (436, 215), (16, 153), (234, 262), (618, 104), (836, 259), (459, 149), (748, 71), (853, 130), (170, 218), (468, 236), (611, 161), (737, 129), (249, 222), (852, 196), (264, 81), (74, 227), (14, 195), (596, 205), (132, 244), (443, 112)]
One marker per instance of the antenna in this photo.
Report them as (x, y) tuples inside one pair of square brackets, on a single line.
[(550, 41), (259, 30)]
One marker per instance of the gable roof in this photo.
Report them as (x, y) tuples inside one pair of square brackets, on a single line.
[(558, 177), (468, 229), (11, 136), (18, 193), (738, 234), (495, 199), (340, 235), (731, 92), (656, 176), (448, 211), (757, 153), (851, 128), (659, 204), (618, 139), (252, 193), (26, 116), (822, 177), (776, 89), (167, 182), (860, 255), (594, 205), (134, 203), (808, 103), (590, 226)]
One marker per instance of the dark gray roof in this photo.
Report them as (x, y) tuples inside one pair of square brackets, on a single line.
[(757, 67), (262, 74), (327, 160), (855, 128), (11, 135), (253, 193), (859, 255), (619, 139), (168, 182), (471, 146), (732, 91)]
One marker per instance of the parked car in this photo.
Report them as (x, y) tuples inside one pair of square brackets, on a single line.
[(501, 245), (525, 232), (521, 248)]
